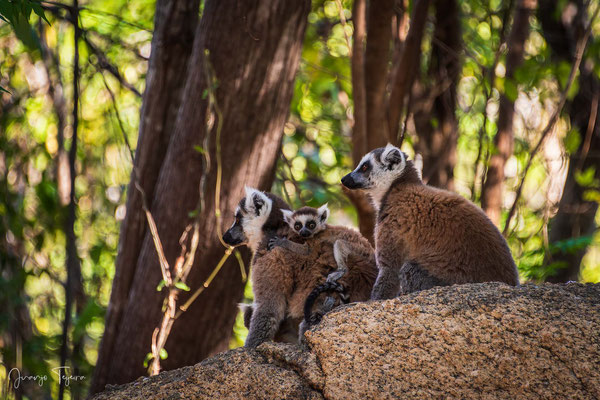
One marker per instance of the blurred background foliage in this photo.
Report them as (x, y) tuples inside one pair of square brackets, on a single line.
[(36, 73)]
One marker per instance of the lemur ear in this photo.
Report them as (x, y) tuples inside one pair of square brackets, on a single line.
[(419, 165), (256, 199), (323, 213), (392, 156), (249, 191), (287, 216)]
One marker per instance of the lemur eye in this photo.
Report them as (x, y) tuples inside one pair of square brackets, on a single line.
[(297, 226), (311, 225)]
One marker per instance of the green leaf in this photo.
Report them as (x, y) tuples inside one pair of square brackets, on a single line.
[(562, 73), (572, 141), (199, 149), (147, 360), (182, 286), (24, 32), (163, 354), (586, 178), (161, 285), (92, 311), (571, 245), (37, 8), (510, 90), (7, 10), (591, 195), (484, 31)]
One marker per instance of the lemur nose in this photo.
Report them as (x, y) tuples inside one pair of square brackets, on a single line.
[(305, 233), (348, 181)]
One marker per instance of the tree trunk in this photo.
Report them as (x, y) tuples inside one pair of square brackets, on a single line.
[(360, 139), (377, 59), (437, 142), (254, 48), (491, 192), (575, 217), (174, 27), (408, 68)]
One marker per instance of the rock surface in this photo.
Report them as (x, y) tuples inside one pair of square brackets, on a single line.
[(487, 341)]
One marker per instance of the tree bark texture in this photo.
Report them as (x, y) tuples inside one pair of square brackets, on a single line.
[(174, 27), (360, 138), (408, 68), (437, 141), (575, 216), (377, 59), (254, 49), (491, 192)]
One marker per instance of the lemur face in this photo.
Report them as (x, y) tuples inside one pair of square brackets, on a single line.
[(250, 217), (377, 170), (307, 221)]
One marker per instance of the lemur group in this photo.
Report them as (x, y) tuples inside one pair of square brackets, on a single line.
[(302, 267)]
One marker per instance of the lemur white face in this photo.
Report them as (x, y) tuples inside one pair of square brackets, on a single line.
[(250, 217), (306, 221), (377, 171)]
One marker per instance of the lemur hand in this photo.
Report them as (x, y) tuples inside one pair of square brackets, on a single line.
[(274, 242)]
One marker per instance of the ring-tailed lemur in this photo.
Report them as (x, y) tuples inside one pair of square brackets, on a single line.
[(424, 236), (309, 222), (282, 279)]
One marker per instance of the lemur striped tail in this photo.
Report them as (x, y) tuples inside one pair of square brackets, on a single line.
[(327, 287)]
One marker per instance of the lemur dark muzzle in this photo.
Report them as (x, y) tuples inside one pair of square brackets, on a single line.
[(304, 232), (230, 240), (349, 182)]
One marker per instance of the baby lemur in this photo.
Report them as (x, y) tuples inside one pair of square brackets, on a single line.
[(283, 279), (424, 236)]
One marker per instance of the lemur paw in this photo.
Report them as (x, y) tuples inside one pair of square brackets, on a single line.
[(335, 276), (274, 242)]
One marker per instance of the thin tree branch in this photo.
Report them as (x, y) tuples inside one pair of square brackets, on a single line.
[(491, 75), (71, 248), (106, 65)]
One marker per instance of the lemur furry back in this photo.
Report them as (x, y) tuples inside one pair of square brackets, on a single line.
[(425, 236), (282, 279), (347, 282)]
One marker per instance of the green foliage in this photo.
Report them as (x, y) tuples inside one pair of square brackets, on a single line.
[(32, 242), (18, 13), (316, 144)]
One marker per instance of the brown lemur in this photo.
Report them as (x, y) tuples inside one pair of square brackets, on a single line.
[(308, 222), (425, 236), (259, 217), (283, 279)]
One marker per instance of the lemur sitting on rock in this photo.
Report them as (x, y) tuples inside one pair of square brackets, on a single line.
[(424, 236), (354, 261), (283, 279)]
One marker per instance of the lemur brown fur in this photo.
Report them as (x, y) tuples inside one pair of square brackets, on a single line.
[(307, 222), (282, 279), (427, 237), (313, 266)]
